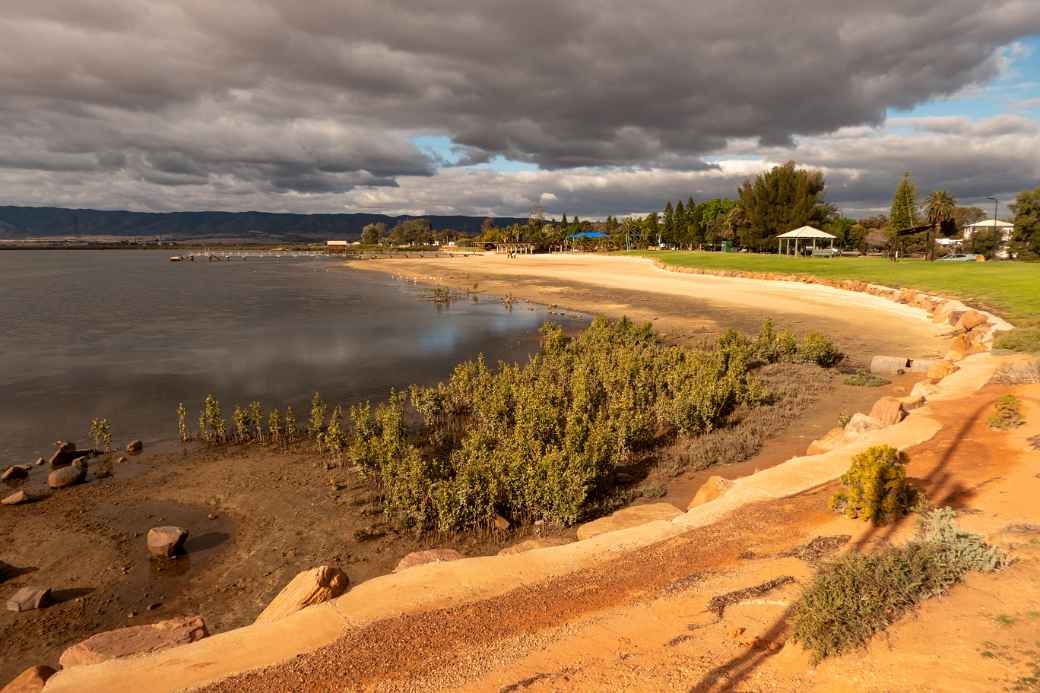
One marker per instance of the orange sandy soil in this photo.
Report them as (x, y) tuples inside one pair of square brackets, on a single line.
[(641, 622)]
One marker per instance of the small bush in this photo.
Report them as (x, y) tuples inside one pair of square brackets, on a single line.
[(859, 595), (1025, 339), (864, 379), (876, 488), (1007, 413), (815, 348)]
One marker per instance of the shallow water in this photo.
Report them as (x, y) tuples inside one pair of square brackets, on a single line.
[(126, 335)]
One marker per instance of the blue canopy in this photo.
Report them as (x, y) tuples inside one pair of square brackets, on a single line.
[(589, 234)]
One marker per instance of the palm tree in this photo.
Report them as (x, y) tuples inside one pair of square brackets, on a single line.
[(939, 208)]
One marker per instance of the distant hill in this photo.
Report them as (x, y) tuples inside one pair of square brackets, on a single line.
[(34, 222)]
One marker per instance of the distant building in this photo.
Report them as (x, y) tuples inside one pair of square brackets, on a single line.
[(336, 246), (1006, 230)]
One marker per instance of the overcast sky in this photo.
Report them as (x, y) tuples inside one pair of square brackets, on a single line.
[(588, 107)]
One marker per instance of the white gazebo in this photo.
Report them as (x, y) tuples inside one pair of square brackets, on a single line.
[(802, 237)]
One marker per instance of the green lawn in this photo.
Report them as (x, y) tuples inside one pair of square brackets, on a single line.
[(1009, 289)]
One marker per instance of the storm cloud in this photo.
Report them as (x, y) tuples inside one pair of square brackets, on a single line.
[(313, 106)]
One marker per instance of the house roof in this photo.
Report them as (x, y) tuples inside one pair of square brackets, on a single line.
[(991, 223), (806, 232)]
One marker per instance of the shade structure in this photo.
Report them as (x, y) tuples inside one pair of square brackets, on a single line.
[(803, 237)]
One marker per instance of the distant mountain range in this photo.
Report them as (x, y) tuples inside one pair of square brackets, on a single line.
[(36, 222)]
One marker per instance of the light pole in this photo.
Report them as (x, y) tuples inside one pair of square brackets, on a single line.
[(995, 202)]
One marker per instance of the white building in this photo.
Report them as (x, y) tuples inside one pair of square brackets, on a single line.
[(1006, 230)]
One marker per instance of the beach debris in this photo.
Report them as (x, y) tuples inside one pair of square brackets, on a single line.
[(417, 558), (134, 446), (68, 476), (31, 680), (134, 640), (164, 542), (306, 589), (29, 598)]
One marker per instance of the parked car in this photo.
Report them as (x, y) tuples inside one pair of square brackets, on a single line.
[(958, 258)]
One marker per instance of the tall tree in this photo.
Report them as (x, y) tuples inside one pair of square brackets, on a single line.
[(779, 200), (903, 214), (965, 216), (1025, 243), (939, 209), (371, 234), (681, 232), (668, 223)]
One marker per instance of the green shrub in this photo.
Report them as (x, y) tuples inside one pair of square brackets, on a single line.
[(876, 488), (1007, 413), (1025, 339), (540, 441), (859, 595), (816, 348)]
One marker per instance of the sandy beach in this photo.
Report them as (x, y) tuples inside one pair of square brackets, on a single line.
[(682, 306)]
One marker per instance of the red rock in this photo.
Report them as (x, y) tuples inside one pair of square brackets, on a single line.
[(124, 642), (17, 498), (68, 476), (164, 542), (31, 680), (887, 410), (16, 472), (306, 589), (532, 544), (417, 558), (861, 423)]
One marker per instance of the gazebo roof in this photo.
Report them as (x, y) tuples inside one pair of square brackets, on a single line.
[(806, 232)]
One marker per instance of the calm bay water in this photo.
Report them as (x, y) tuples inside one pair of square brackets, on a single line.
[(126, 335)]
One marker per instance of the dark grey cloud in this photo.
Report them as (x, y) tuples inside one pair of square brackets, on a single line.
[(281, 104)]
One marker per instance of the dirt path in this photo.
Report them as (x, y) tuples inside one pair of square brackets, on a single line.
[(645, 622), (681, 305)]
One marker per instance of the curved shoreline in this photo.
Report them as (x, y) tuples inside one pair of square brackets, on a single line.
[(446, 585)]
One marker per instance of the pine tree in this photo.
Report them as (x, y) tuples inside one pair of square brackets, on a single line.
[(903, 214), (681, 234), (668, 223), (563, 222)]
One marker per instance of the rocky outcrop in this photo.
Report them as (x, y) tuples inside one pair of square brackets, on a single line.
[(29, 598), (969, 320), (711, 489), (164, 542), (306, 589), (887, 410), (632, 516), (64, 454), (417, 558), (68, 476), (32, 680), (134, 447), (535, 543), (134, 640)]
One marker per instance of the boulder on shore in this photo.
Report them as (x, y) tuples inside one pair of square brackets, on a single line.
[(134, 640), (417, 558), (860, 424), (306, 589), (17, 498), (888, 410), (64, 454), (134, 446), (68, 476), (941, 369), (632, 516), (164, 542), (16, 472), (29, 598), (32, 680), (969, 320), (711, 489)]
